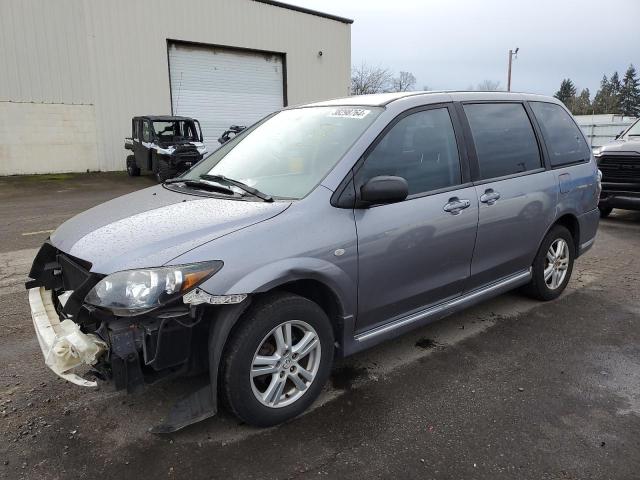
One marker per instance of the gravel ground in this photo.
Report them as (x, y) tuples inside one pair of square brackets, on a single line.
[(509, 389)]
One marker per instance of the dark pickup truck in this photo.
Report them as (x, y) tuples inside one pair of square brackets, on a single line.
[(163, 145), (619, 163)]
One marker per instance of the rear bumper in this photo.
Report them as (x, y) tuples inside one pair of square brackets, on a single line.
[(63, 345)]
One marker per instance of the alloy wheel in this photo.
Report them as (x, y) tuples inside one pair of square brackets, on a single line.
[(556, 263), (285, 364)]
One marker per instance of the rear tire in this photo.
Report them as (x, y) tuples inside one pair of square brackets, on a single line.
[(605, 211), (552, 267), (295, 367), (132, 168), (164, 171)]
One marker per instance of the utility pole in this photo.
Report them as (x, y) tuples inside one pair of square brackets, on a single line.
[(512, 54)]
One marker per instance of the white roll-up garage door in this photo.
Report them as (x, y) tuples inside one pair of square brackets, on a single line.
[(222, 87)]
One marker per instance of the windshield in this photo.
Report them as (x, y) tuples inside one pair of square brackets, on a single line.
[(175, 130), (634, 130), (289, 153)]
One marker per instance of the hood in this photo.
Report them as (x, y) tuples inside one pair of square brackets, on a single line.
[(150, 227), (627, 146)]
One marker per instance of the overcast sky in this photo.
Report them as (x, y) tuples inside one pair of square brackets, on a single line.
[(452, 44)]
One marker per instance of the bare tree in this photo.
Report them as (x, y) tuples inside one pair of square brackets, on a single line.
[(404, 82), (489, 86), (366, 79)]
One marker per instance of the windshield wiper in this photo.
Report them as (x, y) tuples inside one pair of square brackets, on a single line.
[(242, 186), (201, 184)]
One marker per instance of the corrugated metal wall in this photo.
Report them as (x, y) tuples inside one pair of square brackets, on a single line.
[(602, 129), (113, 54), (43, 52)]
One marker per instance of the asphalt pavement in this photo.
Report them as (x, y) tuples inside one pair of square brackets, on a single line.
[(511, 388)]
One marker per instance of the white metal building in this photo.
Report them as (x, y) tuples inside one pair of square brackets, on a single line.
[(74, 72)]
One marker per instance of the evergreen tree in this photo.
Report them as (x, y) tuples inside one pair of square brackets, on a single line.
[(615, 84), (582, 104), (567, 92), (630, 93), (601, 100)]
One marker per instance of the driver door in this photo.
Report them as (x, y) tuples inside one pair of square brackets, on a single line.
[(415, 253)]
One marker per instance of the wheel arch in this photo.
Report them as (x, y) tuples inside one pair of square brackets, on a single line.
[(571, 223), (321, 294)]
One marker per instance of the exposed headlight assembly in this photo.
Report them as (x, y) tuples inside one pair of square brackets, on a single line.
[(133, 292)]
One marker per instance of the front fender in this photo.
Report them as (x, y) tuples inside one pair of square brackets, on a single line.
[(277, 273)]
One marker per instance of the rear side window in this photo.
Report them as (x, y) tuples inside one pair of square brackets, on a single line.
[(564, 140), (504, 139), (421, 148)]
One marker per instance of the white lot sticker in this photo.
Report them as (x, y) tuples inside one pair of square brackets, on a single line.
[(350, 112)]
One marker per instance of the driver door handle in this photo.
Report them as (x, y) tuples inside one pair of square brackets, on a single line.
[(455, 205), (490, 196)]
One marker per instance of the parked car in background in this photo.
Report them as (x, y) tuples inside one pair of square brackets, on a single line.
[(318, 232), (163, 145), (619, 163)]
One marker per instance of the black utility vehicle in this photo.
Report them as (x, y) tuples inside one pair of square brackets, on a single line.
[(619, 163), (164, 145)]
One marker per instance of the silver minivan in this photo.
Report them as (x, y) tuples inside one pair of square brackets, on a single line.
[(318, 232)]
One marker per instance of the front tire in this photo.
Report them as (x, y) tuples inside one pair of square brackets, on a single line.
[(132, 168), (278, 360), (552, 267), (164, 171)]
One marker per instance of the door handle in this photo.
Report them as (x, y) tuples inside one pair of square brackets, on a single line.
[(454, 206), (489, 197)]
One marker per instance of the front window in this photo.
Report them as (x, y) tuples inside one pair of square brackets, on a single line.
[(289, 153), (175, 130), (421, 148)]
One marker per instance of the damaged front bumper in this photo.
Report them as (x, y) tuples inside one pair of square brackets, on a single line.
[(129, 352), (64, 346)]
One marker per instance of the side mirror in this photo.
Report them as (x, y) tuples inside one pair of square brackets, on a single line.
[(384, 189), (620, 134)]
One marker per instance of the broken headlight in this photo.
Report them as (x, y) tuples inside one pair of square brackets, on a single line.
[(133, 292)]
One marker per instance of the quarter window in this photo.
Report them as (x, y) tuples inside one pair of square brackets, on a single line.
[(562, 136), (504, 139), (421, 148)]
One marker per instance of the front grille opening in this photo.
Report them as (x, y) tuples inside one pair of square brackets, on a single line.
[(623, 169)]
